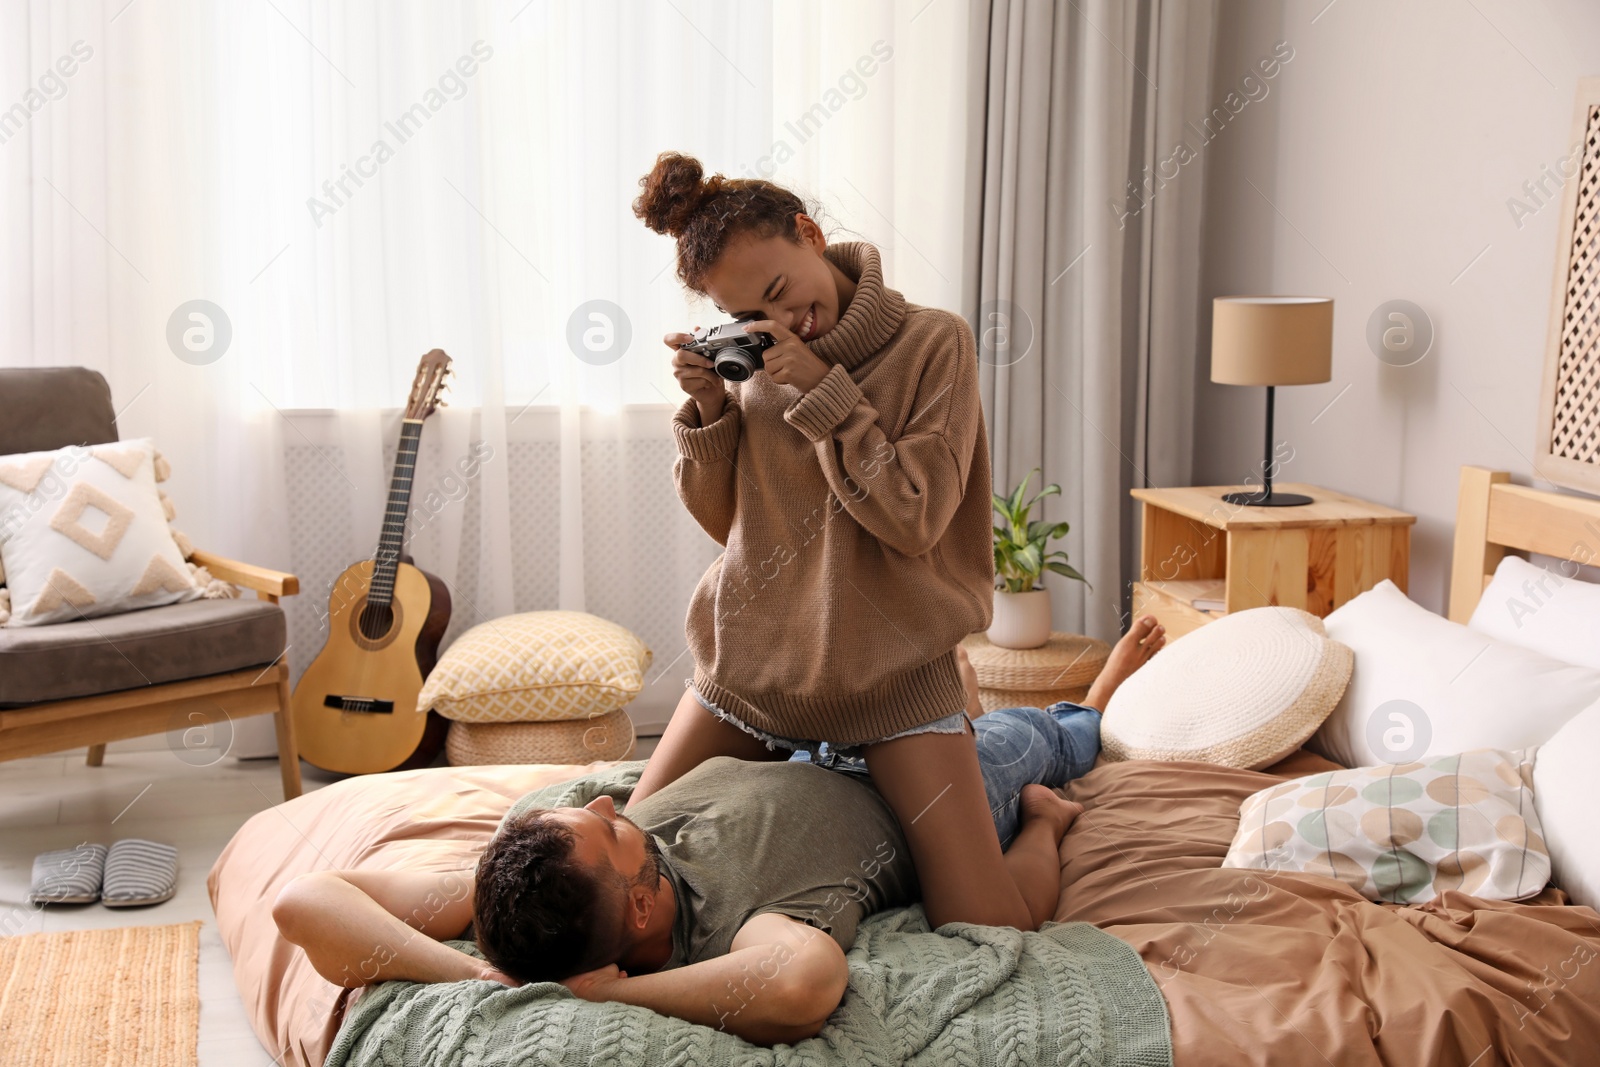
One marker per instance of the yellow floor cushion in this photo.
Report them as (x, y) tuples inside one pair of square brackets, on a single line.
[(538, 666)]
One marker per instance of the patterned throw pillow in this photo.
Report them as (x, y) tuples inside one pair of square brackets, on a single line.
[(539, 666), (83, 532), (1405, 833)]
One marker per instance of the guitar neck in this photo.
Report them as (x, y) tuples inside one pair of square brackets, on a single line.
[(392, 541)]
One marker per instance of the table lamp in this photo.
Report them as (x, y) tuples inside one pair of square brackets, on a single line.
[(1271, 341)]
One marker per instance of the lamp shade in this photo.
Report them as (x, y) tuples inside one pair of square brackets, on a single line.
[(1271, 340)]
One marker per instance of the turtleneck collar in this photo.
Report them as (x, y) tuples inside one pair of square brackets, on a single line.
[(874, 313)]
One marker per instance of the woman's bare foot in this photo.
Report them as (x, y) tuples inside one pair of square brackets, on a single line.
[(1143, 640), (1042, 802), (969, 678)]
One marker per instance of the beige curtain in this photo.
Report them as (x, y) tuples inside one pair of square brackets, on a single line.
[(1081, 279)]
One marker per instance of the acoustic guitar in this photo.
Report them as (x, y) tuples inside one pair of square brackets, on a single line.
[(355, 707)]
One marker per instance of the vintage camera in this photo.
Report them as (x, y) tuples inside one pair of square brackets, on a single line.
[(735, 353)]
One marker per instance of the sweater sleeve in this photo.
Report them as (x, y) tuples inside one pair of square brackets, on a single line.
[(705, 472), (902, 491)]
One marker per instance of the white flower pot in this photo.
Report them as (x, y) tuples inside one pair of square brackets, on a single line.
[(1021, 620)]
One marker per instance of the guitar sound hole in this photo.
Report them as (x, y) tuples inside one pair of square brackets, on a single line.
[(375, 626), (376, 619)]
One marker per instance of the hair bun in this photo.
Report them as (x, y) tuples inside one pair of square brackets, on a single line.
[(673, 192)]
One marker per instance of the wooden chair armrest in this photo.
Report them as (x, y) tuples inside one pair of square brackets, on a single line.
[(269, 583)]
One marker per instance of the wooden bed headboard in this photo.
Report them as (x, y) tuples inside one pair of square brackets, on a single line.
[(1494, 517)]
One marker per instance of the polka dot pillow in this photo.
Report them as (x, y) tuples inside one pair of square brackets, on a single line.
[(1405, 833)]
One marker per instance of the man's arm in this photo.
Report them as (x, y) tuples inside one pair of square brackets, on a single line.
[(779, 984), (360, 927)]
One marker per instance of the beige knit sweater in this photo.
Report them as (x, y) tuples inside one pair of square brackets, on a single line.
[(856, 523)]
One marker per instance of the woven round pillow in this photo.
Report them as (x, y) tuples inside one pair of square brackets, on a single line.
[(1244, 691), (605, 737), (537, 666)]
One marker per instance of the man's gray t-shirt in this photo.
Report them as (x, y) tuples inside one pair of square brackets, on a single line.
[(742, 838)]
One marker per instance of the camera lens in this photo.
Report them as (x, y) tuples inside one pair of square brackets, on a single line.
[(734, 366)]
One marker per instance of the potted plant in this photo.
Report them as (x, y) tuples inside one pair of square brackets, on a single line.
[(1021, 602)]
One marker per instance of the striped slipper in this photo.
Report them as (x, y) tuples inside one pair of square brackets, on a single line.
[(139, 872), (68, 875)]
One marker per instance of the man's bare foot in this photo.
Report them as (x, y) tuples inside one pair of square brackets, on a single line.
[(1143, 640), (969, 678), (1042, 802)]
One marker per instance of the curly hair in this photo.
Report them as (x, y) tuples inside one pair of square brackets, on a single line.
[(704, 215), (538, 914)]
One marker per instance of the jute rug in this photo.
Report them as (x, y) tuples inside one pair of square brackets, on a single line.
[(101, 998)]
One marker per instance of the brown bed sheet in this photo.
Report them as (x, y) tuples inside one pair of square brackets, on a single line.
[(1256, 968), (1273, 968)]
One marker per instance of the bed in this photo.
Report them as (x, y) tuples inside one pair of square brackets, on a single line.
[(1255, 967)]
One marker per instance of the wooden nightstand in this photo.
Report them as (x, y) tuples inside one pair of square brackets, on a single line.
[(1196, 545)]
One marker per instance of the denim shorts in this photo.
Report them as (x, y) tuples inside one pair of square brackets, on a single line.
[(1016, 747), (821, 752)]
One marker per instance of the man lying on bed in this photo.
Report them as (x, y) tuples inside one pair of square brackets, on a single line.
[(709, 901)]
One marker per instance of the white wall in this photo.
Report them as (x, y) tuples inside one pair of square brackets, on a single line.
[(1388, 148)]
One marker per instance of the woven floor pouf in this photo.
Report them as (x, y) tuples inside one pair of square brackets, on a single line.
[(604, 737), (1062, 668)]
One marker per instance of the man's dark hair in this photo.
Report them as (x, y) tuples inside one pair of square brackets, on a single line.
[(538, 914)]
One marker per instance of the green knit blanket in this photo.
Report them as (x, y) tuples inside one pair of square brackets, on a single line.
[(1069, 995)]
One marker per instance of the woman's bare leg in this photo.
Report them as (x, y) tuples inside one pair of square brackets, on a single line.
[(935, 787), (693, 736)]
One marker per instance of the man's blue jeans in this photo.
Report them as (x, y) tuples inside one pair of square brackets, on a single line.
[(1017, 747)]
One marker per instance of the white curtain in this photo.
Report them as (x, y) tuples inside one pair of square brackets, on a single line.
[(352, 184)]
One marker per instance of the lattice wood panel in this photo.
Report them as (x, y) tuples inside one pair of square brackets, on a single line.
[(1569, 418), (1575, 425)]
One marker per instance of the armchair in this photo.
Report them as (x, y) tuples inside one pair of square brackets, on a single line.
[(140, 672)]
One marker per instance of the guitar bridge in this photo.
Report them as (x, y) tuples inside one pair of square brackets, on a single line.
[(366, 705)]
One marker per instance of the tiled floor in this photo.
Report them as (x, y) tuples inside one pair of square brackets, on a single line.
[(195, 804)]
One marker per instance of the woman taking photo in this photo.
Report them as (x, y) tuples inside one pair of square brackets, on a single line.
[(848, 482)]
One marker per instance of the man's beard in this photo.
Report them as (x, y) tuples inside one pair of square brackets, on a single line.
[(654, 867)]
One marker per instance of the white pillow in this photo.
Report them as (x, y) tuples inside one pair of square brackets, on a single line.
[(1425, 686), (1567, 794), (1243, 691), (1542, 608), (83, 532)]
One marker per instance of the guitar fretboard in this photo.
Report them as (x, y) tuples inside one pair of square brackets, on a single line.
[(386, 563)]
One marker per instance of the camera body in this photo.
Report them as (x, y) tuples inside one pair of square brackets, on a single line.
[(735, 353)]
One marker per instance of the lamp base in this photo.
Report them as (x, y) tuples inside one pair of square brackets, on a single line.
[(1267, 500)]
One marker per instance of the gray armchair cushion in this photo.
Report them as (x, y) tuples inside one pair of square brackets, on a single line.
[(137, 648), (45, 408)]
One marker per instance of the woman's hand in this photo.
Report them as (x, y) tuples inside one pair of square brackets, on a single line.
[(789, 361), (696, 378), (596, 985)]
